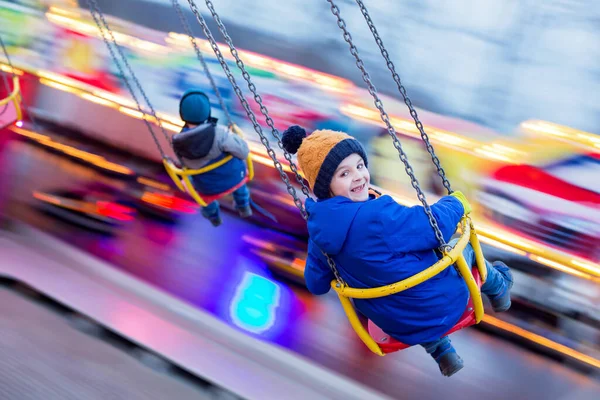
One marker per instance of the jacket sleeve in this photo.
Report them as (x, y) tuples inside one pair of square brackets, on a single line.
[(409, 228), (317, 274), (233, 144)]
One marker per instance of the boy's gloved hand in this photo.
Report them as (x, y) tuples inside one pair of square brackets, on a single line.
[(463, 200), (236, 129)]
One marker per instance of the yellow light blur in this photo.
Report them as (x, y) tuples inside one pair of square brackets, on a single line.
[(358, 111), (59, 86), (135, 113), (90, 29), (505, 149), (61, 11), (170, 119), (407, 128), (564, 133), (451, 139), (153, 183), (140, 115), (7, 68), (98, 100), (501, 245), (505, 237), (73, 24), (46, 198), (170, 127), (256, 60), (29, 134), (541, 341), (558, 266), (114, 98), (490, 153), (59, 78), (291, 70), (268, 162), (327, 82), (585, 265), (93, 159)]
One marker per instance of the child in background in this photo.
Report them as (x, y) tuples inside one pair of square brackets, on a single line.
[(202, 142)]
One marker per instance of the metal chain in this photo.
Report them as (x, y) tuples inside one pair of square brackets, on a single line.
[(105, 30), (238, 91), (291, 190), (188, 31), (386, 119), (128, 66), (257, 97), (402, 89)]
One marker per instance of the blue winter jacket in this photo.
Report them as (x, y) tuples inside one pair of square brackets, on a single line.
[(378, 242)]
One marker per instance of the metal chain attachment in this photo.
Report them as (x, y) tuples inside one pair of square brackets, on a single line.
[(386, 119), (238, 91), (188, 31), (105, 31), (291, 190), (402, 90), (257, 97)]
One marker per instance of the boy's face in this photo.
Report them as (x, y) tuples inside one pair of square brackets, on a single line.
[(351, 179)]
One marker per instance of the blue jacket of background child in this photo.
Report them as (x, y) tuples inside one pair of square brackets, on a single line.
[(206, 144), (379, 242)]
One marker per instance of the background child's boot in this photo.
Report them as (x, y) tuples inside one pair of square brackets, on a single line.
[(245, 212), (445, 355), (501, 302), (450, 363), (215, 221)]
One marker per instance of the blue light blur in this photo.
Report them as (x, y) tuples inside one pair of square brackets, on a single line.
[(254, 304)]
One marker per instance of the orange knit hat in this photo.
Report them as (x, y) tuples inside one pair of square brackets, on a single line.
[(320, 154)]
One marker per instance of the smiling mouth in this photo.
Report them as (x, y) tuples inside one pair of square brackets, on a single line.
[(359, 188)]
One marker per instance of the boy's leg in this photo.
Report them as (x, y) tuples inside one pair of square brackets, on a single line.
[(212, 213), (241, 198), (497, 286), (445, 355), (498, 283)]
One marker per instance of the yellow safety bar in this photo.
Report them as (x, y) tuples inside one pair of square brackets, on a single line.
[(15, 98), (454, 255), (181, 176)]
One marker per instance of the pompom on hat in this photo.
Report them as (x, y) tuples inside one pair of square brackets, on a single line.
[(320, 154)]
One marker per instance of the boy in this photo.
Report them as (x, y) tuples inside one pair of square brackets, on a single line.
[(376, 242), (200, 143)]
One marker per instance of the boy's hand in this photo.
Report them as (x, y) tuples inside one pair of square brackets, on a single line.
[(236, 129), (463, 200)]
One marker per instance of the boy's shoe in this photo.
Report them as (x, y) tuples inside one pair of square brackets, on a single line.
[(216, 221), (245, 212), (502, 301), (450, 363)]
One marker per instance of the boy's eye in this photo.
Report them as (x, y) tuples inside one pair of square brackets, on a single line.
[(343, 174), (360, 166)]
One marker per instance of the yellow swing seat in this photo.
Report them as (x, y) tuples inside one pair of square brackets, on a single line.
[(10, 107), (379, 342), (181, 176)]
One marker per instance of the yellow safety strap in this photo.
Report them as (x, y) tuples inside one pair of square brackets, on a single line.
[(181, 176), (14, 97)]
